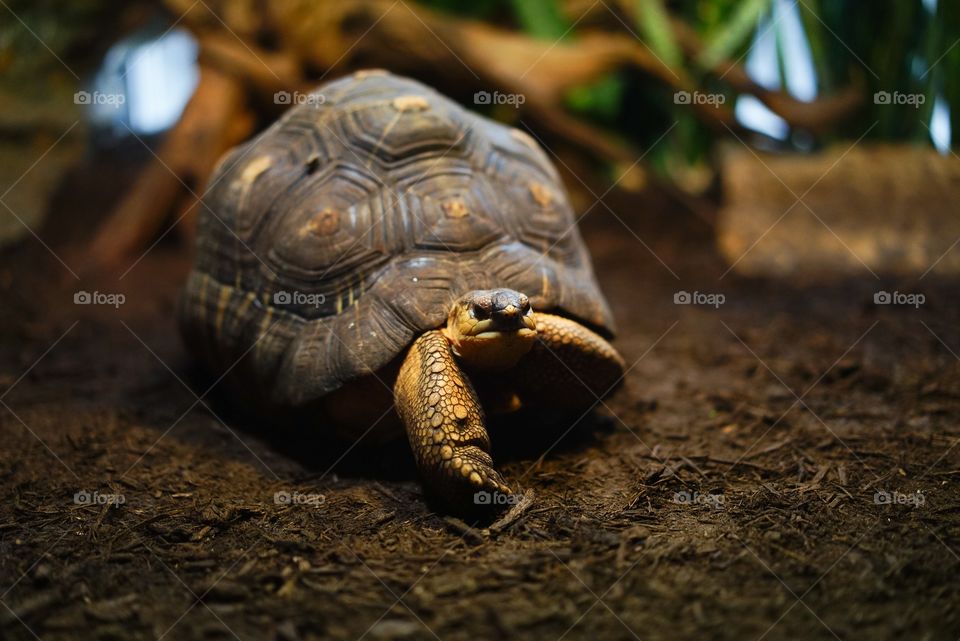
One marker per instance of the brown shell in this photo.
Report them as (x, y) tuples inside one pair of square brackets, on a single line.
[(332, 239)]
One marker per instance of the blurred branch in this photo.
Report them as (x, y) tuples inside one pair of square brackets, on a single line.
[(816, 116), (263, 71), (213, 121), (460, 56)]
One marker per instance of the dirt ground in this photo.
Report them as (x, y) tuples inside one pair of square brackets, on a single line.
[(781, 466)]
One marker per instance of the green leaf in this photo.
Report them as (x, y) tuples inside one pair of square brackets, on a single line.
[(654, 24), (601, 99), (816, 36), (733, 33), (540, 18)]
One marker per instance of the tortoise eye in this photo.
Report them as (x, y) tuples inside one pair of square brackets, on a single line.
[(478, 312)]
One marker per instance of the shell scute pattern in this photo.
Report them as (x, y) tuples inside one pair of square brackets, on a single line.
[(373, 208)]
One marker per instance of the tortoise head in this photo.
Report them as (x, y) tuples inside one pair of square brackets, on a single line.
[(491, 328)]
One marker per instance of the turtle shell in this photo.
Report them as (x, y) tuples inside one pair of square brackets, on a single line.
[(326, 244)]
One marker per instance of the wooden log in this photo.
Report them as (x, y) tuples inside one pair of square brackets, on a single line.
[(215, 119)]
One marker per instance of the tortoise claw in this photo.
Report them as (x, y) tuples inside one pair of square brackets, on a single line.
[(468, 483)]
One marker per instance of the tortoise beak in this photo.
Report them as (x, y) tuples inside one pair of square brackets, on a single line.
[(510, 311), (506, 321), (510, 319)]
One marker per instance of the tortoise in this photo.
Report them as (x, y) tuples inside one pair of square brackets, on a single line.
[(381, 246)]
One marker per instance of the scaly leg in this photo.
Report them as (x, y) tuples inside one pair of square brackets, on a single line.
[(567, 369), (445, 424)]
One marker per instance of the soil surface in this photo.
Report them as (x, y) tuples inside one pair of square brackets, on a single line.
[(782, 465)]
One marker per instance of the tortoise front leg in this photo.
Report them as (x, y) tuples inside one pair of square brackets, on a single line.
[(568, 368), (445, 425)]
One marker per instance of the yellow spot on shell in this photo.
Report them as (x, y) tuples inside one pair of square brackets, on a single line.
[(325, 223), (410, 103), (369, 73), (254, 168), (222, 303), (248, 299), (264, 326), (250, 174), (455, 208), (540, 194)]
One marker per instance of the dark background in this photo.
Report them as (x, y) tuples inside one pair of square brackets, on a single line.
[(782, 465)]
